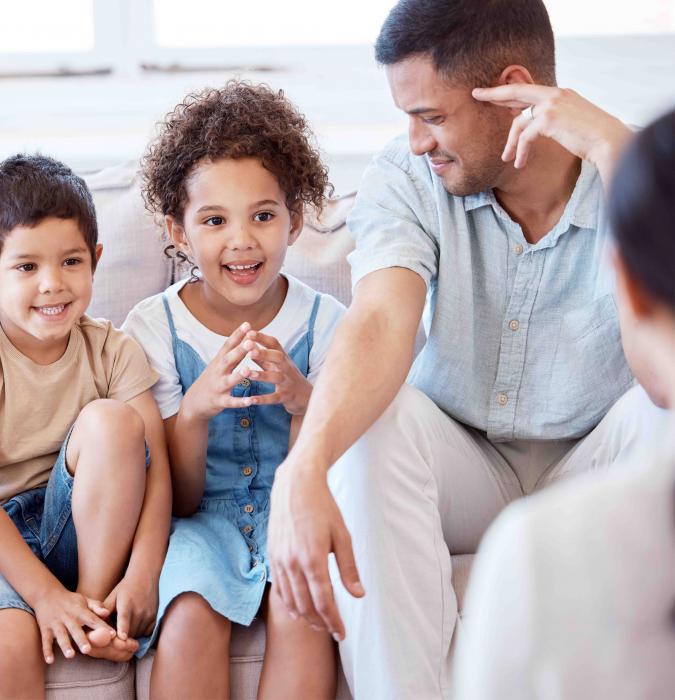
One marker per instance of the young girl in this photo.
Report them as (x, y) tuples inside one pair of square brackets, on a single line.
[(237, 347)]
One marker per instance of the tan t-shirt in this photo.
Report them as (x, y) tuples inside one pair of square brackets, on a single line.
[(39, 403)]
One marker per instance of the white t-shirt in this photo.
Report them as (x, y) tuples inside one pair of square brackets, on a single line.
[(573, 590), (148, 324)]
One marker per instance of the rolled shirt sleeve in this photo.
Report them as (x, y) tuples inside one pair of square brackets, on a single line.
[(390, 222)]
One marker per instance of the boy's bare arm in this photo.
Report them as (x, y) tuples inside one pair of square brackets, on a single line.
[(135, 597), (366, 366), (61, 614)]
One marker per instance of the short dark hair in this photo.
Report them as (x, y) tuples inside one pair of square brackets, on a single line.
[(642, 208), (471, 41), (239, 120), (36, 187)]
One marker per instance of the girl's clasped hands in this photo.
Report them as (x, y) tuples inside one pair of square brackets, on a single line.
[(248, 354)]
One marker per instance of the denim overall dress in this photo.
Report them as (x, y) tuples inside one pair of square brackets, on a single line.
[(220, 552)]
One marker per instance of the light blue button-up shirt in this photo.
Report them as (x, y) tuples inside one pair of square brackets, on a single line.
[(522, 340)]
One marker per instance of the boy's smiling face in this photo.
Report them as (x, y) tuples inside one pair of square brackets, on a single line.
[(46, 275)]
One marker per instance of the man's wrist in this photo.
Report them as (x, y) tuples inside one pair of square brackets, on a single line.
[(307, 459), (607, 149)]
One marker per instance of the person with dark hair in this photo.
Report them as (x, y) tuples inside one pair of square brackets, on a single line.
[(573, 590), (489, 223), (84, 515)]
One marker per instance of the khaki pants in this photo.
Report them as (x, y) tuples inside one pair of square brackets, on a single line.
[(418, 487)]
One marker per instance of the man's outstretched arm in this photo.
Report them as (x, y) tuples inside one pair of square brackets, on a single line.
[(368, 362)]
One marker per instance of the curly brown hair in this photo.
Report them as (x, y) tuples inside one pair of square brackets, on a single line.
[(237, 121)]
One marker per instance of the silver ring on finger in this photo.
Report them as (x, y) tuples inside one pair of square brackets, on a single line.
[(529, 112)]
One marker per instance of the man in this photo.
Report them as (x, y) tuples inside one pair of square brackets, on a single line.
[(522, 360)]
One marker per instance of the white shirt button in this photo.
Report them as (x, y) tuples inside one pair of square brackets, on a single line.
[(514, 325), (502, 399), (519, 249)]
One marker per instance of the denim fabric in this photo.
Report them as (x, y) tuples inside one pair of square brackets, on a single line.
[(43, 517), (220, 552), (523, 340)]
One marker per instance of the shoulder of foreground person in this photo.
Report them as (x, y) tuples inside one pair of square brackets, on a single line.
[(558, 571)]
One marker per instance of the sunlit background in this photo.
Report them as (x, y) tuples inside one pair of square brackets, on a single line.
[(86, 80)]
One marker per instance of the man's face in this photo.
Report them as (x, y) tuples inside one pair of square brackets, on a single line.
[(462, 138)]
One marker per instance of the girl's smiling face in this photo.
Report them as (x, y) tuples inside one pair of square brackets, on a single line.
[(237, 228)]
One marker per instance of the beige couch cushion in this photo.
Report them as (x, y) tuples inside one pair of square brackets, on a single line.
[(83, 678)]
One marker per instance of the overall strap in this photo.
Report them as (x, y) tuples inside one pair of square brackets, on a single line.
[(169, 318), (312, 320)]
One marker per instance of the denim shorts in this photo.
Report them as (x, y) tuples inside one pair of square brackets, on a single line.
[(44, 518)]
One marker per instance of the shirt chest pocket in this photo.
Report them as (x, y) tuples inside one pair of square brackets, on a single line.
[(588, 371), (581, 322)]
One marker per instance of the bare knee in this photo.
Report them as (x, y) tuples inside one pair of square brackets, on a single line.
[(104, 425), (21, 663), (191, 619), (110, 418)]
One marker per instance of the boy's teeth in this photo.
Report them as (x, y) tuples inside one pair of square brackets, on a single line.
[(51, 310)]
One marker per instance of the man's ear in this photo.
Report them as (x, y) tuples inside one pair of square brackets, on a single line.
[(176, 233), (514, 74), (297, 222), (632, 293)]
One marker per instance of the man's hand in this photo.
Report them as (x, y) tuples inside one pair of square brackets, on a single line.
[(291, 387), (62, 616), (305, 527), (562, 115), (135, 598)]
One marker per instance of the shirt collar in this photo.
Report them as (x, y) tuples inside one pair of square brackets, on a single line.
[(480, 199), (581, 210)]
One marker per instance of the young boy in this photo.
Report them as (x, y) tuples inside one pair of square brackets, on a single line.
[(84, 513)]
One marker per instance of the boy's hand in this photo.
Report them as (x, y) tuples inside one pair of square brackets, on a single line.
[(61, 616), (135, 598), (211, 392), (292, 389)]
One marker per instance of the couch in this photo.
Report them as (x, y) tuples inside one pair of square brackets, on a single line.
[(133, 267)]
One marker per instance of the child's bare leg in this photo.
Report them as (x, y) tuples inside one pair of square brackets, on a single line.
[(299, 662), (193, 653), (22, 667), (106, 454)]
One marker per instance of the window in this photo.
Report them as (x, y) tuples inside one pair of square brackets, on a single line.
[(126, 36)]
